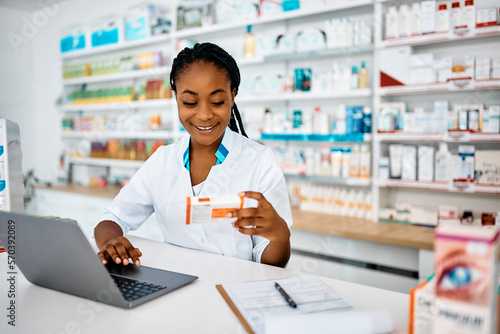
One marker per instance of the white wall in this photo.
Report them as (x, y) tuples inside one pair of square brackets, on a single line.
[(16, 80)]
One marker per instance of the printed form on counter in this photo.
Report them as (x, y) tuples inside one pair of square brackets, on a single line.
[(208, 210), (261, 309)]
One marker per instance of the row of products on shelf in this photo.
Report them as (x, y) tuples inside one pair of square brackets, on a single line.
[(329, 161), (422, 163), (139, 22), (399, 67), (464, 117), (125, 149), (331, 200), (336, 33), (425, 17), (204, 13), (341, 78), (425, 69), (121, 123), (445, 214), (139, 61), (144, 90), (345, 120)]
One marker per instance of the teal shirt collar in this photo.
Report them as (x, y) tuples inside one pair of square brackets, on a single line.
[(221, 154)]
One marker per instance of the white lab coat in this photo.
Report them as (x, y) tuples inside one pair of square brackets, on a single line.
[(162, 184)]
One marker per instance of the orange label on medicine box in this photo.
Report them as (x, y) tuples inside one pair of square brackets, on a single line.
[(221, 213)]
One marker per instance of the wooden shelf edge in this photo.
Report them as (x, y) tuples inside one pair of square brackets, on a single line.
[(361, 229)]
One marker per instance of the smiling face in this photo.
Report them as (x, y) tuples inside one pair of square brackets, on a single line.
[(204, 100)]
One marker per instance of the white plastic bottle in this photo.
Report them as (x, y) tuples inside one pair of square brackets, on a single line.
[(336, 198), (346, 162), (469, 14), (404, 21), (345, 77), (309, 157), (415, 19), (455, 15), (351, 203), (364, 162), (304, 193), (391, 23), (325, 198), (354, 78), (442, 163), (350, 33), (355, 160), (335, 160), (368, 206), (330, 200), (443, 18), (343, 203), (317, 162), (325, 160), (315, 193), (334, 79), (340, 122), (323, 127), (360, 204)]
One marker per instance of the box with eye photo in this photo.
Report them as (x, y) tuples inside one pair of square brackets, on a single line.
[(466, 280)]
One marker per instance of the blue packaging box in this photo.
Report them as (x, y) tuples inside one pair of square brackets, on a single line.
[(106, 32), (289, 5), (73, 39), (354, 119)]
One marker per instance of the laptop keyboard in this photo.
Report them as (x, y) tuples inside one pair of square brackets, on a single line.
[(132, 289)]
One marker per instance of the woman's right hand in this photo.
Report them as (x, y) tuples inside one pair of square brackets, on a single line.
[(120, 250)]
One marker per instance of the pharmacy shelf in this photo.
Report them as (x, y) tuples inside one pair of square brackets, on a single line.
[(346, 51), (104, 135), (451, 137), (106, 162), (217, 28), (331, 138), (303, 96), (341, 181), (120, 106), (160, 39), (151, 72), (451, 86), (442, 37), (466, 188), (337, 52)]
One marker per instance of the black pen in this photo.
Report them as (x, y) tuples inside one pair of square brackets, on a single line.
[(285, 295)]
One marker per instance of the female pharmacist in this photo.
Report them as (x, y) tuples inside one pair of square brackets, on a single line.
[(214, 160)]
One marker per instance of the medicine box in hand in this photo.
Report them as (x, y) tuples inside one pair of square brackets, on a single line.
[(207, 210)]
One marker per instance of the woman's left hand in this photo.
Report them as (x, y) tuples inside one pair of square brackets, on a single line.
[(262, 220)]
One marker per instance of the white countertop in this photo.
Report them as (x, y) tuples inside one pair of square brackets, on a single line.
[(196, 308)]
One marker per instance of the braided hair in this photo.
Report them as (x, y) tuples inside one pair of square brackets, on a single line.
[(211, 53)]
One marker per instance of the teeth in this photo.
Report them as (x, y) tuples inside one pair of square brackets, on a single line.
[(205, 127)]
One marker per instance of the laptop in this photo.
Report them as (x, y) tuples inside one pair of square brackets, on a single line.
[(55, 254)]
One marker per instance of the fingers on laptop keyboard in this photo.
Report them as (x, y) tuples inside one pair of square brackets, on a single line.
[(103, 256), (128, 252)]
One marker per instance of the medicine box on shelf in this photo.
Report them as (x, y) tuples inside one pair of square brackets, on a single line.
[(487, 167), (74, 38), (107, 31), (144, 21)]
